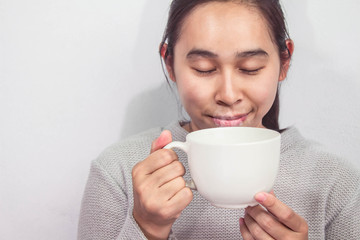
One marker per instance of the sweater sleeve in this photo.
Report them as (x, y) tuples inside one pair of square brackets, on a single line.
[(105, 213), (345, 224)]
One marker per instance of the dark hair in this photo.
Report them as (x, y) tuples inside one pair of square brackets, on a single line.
[(271, 11)]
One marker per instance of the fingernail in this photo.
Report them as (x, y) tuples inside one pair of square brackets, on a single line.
[(260, 197), (241, 221), (160, 139), (160, 136)]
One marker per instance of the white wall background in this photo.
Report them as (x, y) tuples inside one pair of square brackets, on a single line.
[(78, 75)]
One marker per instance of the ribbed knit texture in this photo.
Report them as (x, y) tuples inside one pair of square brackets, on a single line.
[(317, 185)]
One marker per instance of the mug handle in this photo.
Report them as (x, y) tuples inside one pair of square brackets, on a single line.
[(185, 147)]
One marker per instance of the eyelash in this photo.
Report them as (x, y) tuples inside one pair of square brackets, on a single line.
[(249, 72), (205, 72)]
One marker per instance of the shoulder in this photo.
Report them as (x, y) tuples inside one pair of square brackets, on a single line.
[(119, 158), (130, 147), (316, 167), (311, 163), (310, 153)]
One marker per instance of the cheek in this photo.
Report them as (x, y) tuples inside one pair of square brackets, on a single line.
[(192, 93), (188, 95), (264, 95)]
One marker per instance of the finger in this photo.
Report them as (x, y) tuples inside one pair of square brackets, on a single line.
[(245, 233), (170, 189), (167, 173), (164, 139), (267, 222), (180, 201), (154, 162), (256, 231), (282, 212)]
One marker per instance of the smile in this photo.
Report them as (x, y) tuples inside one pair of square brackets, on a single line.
[(229, 121)]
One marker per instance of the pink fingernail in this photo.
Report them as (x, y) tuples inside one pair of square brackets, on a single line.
[(241, 221), (260, 197)]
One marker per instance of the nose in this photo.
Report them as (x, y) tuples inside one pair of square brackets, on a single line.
[(228, 90)]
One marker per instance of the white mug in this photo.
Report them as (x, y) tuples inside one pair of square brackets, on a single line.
[(229, 165)]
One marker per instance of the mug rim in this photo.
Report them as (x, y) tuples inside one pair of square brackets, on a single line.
[(274, 135)]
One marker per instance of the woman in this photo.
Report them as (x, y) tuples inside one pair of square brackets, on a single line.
[(227, 59)]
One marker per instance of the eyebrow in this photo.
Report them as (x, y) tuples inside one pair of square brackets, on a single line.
[(201, 53), (207, 54), (252, 53)]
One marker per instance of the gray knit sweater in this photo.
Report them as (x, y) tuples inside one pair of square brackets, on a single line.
[(317, 185)]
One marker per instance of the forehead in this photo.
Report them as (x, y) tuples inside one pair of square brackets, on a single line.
[(220, 25)]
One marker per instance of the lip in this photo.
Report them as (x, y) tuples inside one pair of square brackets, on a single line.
[(229, 121)]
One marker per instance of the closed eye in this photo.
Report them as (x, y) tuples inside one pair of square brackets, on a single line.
[(205, 72), (251, 71)]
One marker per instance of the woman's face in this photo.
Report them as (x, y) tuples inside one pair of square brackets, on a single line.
[(225, 66)]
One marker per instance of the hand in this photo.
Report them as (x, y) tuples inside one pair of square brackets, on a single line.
[(278, 221), (159, 189)]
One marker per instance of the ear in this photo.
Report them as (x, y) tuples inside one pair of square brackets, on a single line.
[(168, 60), (285, 64)]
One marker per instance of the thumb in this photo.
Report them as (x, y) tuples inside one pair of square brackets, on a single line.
[(164, 139)]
